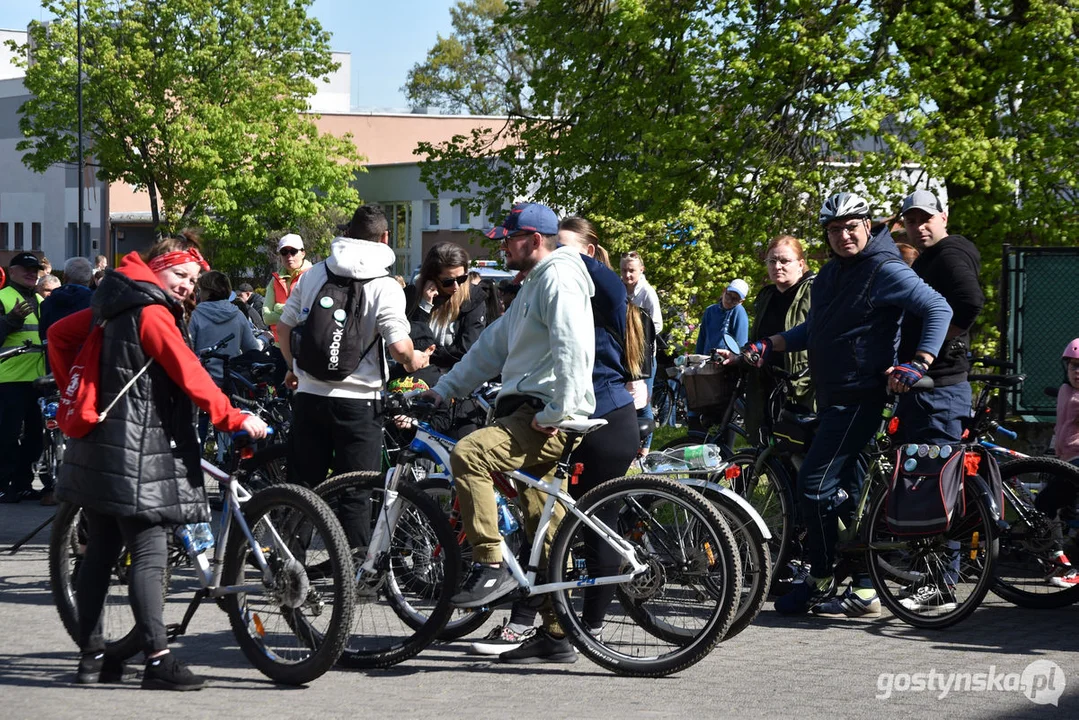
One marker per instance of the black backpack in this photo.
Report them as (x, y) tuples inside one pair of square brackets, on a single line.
[(329, 345)]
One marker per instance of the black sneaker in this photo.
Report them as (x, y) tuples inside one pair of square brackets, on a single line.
[(90, 664), (484, 585), (165, 672), (542, 647)]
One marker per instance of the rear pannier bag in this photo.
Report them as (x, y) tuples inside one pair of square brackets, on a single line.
[(925, 495)]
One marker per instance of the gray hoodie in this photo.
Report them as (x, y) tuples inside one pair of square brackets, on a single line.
[(214, 320), (544, 345), (383, 312)]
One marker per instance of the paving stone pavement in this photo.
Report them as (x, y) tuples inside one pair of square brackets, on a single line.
[(778, 667)]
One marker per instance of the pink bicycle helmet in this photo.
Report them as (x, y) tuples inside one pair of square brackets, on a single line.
[(1072, 350)]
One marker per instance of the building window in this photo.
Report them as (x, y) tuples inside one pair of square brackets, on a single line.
[(35, 236), (18, 236), (464, 216), (3, 236), (431, 213)]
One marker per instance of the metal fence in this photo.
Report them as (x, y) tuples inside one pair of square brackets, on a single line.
[(1040, 315)]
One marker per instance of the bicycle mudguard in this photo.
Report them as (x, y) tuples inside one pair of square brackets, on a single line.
[(700, 484), (983, 489)]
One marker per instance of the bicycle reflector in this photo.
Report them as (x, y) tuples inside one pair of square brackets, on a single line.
[(893, 426), (733, 472), (247, 453), (578, 468)]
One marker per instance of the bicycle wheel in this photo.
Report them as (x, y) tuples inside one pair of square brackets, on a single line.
[(293, 625), (1027, 545), (768, 490), (404, 604), (67, 546), (671, 615), (756, 560), (937, 581), (462, 622)]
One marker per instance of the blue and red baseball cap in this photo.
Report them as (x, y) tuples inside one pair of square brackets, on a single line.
[(526, 217)]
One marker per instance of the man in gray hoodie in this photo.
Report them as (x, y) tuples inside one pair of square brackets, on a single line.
[(544, 347)]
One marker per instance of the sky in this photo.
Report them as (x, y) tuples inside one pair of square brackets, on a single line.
[(385, 38)]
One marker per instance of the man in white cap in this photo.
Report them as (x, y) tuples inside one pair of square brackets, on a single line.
[(294, 263), (726, 317)]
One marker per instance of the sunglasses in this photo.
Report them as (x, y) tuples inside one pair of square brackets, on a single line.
[(630, 254), (288, 252), (450, 282)]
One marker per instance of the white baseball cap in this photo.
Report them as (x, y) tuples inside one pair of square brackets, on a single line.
[(739, 286), (292, 240)]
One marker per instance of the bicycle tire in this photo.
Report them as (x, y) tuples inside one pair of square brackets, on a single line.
[(405, 607), (1026, 545), (66, 545), (769, 492), (303, 647), (701, 585), (966, 553), (462, 622), (756, 560)]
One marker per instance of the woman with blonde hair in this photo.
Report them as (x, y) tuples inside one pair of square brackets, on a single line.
[(445, 307)]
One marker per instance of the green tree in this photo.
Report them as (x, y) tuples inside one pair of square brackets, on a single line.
[(198, 102), (482, 68), (755, 111)]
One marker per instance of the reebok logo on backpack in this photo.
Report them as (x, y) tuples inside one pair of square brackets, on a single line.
[(329, 343)]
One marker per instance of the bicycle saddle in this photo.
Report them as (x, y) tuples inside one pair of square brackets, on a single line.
[(581, 427), (45, 383), (646, 427)]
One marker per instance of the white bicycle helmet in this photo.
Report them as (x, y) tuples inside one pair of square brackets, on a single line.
[(844, 205)]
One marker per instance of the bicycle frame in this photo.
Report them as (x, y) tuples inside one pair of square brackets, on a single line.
[(434, 443)]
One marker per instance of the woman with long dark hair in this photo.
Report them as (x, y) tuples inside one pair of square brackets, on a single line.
[(137, 473)]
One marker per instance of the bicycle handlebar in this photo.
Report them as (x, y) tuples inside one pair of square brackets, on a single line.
[(26, 347), (209, 352), (994, 363)]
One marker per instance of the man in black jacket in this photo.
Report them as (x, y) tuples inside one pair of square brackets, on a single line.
[(950, 265)]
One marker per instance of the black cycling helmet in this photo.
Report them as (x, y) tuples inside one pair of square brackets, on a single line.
[(844, 205)]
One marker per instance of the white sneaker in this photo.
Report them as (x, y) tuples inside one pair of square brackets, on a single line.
[(499, 640)]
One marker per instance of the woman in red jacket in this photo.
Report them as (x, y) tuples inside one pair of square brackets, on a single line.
[(137, 473)]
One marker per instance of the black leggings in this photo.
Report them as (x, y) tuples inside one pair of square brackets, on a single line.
[(106, 537), (606, 453)]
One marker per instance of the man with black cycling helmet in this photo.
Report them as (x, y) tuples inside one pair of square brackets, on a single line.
[(851, 332)]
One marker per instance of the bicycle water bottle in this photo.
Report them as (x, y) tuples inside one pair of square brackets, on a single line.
[(507, 522), (692, 457), (196, 537)]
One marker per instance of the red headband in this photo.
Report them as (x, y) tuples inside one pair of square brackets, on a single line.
[(178, 257)]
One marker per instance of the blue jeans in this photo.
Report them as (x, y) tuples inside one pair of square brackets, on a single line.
[(830, 464), (934, 416)]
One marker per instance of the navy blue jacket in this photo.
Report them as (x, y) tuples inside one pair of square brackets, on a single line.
[(852, 330), (608, 309), (63, 301)]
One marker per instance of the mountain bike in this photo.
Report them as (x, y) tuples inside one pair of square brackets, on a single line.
[(959, 562), (1028, 536), (674, 593), (280, 569)]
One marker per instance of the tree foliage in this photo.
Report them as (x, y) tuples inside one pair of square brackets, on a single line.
[(197, 102), (482, 68), (754, 111)]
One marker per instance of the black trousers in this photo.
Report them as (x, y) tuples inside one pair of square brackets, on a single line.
[(148, 545), (20, 436), (342, 435)]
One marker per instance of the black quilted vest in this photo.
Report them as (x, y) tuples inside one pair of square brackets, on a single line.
[(143, 460)]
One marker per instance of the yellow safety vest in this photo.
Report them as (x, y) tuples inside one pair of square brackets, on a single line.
[(30, 366)]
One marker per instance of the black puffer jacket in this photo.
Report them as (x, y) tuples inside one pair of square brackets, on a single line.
[(143, 460)]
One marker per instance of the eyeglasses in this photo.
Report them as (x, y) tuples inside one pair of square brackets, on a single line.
[(631, 254), (848, 229), (450, 282), (781, 261), (288, 252)]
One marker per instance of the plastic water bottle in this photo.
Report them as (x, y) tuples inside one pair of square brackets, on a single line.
[(507, 521), (691, 457), (196, 537)]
